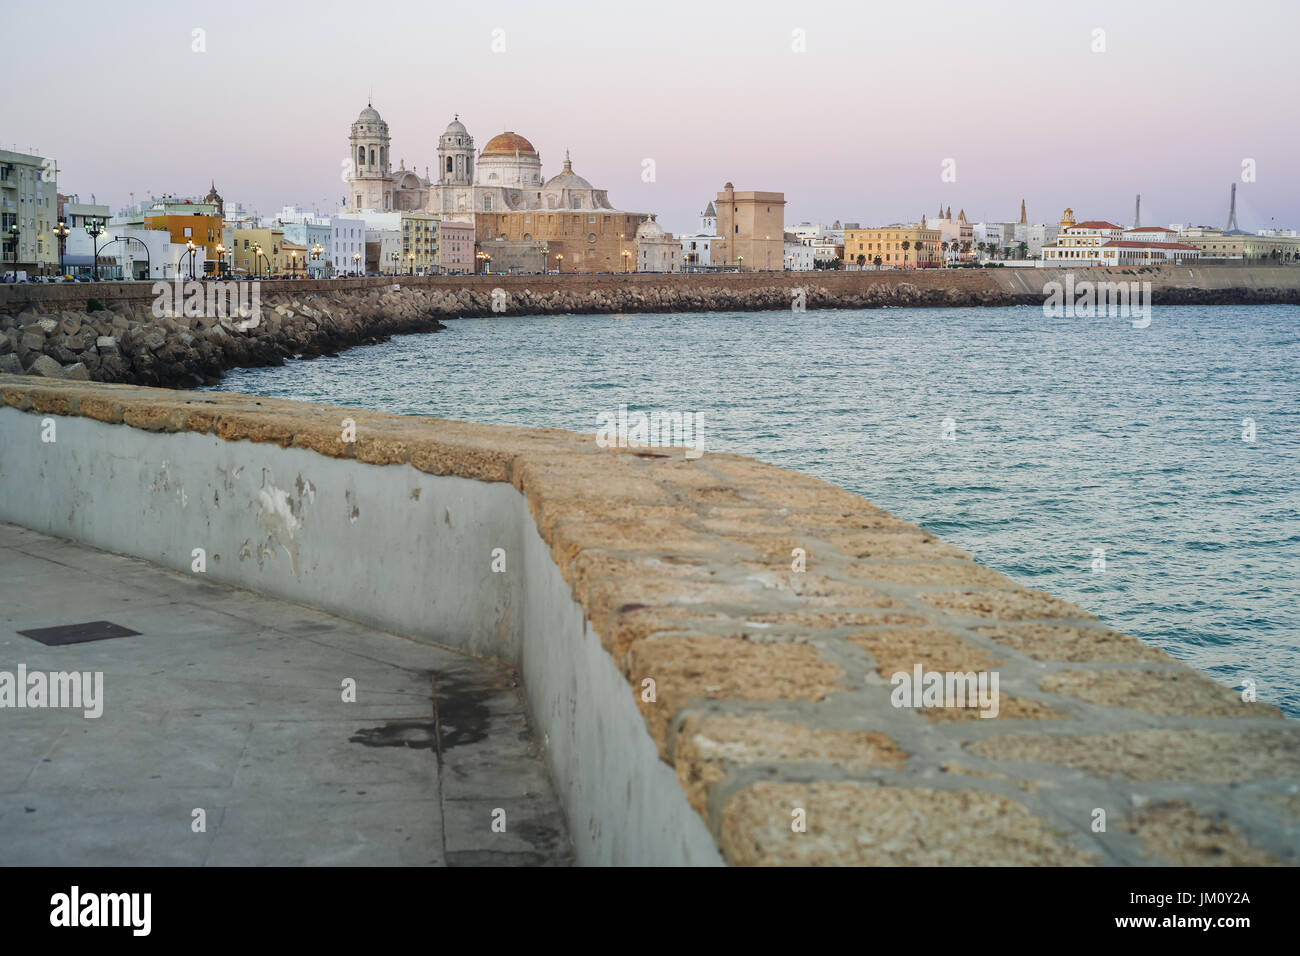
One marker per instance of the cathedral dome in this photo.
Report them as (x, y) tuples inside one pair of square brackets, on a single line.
[(508, 143), (567, 178), (369, 115), (455, 127)]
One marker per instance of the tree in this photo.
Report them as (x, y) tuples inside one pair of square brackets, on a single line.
[(906, 245), (1023, 249), (862, 260), (876, 262)]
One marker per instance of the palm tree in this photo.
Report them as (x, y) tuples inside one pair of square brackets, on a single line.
[(862, 260), (876, 262), (906, 245)]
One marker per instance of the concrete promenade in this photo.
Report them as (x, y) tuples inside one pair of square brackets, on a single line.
[(232, 703)]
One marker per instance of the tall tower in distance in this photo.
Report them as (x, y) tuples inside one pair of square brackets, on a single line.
[(1023, 220), (455, 155), (370, 182), (1137, 212), (1232, 210)]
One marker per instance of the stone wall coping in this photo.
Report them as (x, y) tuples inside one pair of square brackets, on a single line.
[(771, 693)]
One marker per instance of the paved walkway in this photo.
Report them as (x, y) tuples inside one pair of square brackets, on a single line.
[(232, 703)]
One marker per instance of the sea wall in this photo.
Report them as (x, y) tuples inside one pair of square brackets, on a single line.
[(710, 646), (50, 330)]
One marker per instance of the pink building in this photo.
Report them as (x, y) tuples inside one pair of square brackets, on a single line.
[(456, 247)]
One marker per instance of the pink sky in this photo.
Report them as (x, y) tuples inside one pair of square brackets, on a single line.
[(856, 128)]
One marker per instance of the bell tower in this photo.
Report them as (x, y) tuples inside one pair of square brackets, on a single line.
[(455, 155), (370, 182)]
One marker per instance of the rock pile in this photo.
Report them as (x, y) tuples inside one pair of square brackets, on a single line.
[(127, 342)]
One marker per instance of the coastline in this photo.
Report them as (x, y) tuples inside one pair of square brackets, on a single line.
[(110, 332)]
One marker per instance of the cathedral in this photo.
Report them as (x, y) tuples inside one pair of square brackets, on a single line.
[(563, 223), (505, 176)]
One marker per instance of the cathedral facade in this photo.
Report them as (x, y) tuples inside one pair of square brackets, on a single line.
[(504, 176)]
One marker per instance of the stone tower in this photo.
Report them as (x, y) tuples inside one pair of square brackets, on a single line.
[(1023, 220), (370, 183), (455, 155)]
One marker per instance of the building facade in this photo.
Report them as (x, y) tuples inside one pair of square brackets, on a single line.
[(656, 250), (455, 247), (751, 230), (419, 244), (347, 244), (898, 246), (28, 213)]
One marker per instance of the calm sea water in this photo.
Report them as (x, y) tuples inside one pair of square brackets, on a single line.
[(1071, 435)]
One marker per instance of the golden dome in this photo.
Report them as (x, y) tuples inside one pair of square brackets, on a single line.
[(508, 143)]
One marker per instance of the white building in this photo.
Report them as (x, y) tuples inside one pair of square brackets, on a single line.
[(697, 249), (656, 250), (1101, 243), (1080, 243), (998, 237), (798, 255), (347, 239), (148, 254), (79, 246), (1035, 236)]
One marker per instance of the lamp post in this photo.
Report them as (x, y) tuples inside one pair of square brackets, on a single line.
[(317, 251), (627, 256), (13, 241), (293, 266), (486, 261), (740, 263), (221, 259), (356, 263), (95, 229), (396, 257), (559, 262), (189, 248), (411, 258), (62, 230)]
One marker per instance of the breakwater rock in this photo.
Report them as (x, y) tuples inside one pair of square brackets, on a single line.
[(130, 340), (121, 336)]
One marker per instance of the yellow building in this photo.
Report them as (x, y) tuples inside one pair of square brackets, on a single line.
[(751, 230), (1273, 246), (295, 257), (419, 244), (241, 250), (901, 246), (185, 222)]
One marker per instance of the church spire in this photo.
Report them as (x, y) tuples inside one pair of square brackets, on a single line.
[(1023, 220), (568, 166)]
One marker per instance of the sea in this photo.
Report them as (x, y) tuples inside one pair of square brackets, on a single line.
[(1149, 474)]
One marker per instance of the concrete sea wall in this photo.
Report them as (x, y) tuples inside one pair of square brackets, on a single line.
[(701, 697), (47, 329)]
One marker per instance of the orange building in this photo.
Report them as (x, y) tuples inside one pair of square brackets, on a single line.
[(185, 221)]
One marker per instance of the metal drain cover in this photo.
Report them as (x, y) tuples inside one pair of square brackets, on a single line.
[(78, 633)]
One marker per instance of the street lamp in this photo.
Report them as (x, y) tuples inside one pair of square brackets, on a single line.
[(62, 231), (486, 260), (559, 262), (13, 241), (293, 264), (189, 248), (627, 256), (396, 257), (317, 250), (411, 256), (356, 263), (221, 259), (95, 229), (740, 263)]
